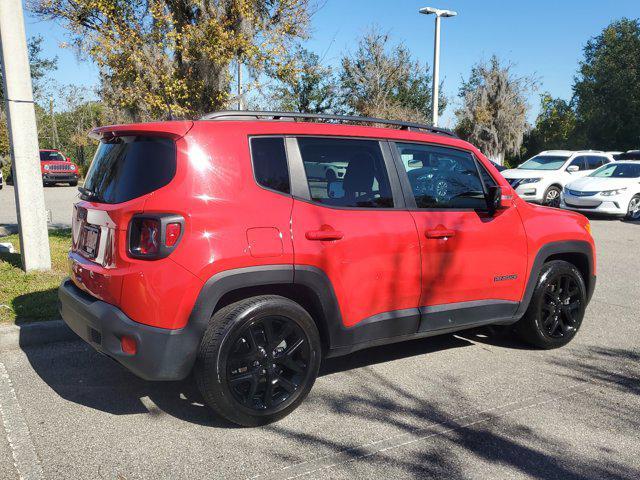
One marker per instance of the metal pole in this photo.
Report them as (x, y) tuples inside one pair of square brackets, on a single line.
[(239, 84), (436, 72), (54, 129), (23, 138)]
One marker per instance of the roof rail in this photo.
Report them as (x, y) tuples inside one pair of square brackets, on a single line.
[(292, 116)]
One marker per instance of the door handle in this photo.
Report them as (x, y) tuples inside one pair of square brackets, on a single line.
[(440, 232), (324, 235)]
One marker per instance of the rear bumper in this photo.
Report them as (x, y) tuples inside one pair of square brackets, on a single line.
[(162, 354)]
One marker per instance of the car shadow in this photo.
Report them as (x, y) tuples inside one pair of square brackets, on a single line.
[(78, 373)]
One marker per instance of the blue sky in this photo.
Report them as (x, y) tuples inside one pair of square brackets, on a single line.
[(540, 37)]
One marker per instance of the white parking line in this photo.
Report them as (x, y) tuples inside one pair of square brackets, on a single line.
[(24, 454)]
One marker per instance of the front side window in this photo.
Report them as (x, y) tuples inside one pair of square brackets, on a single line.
[(578, 162), (442, 177), (345, 172), (270, 163)]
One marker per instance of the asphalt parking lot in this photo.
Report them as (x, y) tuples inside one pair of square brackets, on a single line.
[(58, 199), (457, 406)]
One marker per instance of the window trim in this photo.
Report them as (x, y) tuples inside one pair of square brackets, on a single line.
[(300, 185), (286, 157), (406, 185)]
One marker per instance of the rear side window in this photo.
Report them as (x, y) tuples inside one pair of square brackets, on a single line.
[(346, 173), (594, 162), (270, 163), (128, 167)]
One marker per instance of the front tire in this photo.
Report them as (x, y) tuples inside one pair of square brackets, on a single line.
[(258, 359), (557, 307), (73, 184), (633, 212), (552, 197)]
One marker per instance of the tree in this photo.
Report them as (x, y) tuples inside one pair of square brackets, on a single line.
[(171, 58), (494, 108), (607, 88), (311, 89), (40, 68), (383, 81), (555, 127), (79, 114)]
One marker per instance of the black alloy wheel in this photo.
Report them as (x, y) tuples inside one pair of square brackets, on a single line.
[(258, 359), (268, 363), (561, 306), (556, 308)]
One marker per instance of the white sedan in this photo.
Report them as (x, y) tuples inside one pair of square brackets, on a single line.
[(612, 189)]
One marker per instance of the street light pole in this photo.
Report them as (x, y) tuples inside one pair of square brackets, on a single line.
[(436, 56), (23, 138)]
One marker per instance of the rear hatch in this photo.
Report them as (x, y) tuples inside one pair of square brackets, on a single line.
[(127, 167)]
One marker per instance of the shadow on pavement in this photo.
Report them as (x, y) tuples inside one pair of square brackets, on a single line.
[(78, 373)]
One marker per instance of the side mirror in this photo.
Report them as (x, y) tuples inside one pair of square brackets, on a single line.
[(497, 201), (573, 168), (68, 159)]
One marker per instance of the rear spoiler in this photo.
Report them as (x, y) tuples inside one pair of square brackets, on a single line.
[(173, 129)]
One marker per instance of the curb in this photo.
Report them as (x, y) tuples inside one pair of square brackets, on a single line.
[(13, 337)]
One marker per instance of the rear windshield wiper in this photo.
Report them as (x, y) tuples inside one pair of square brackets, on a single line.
[(90, 194)]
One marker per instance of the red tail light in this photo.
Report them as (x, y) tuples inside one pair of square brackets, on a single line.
[(172, 234), (155, 235)]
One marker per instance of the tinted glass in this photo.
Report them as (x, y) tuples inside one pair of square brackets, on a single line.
[(618, 170), (579, 162), (442, 177), (594, 162), (544, 162), (129, 167), (486, 177), (270, 163), (346, 173), (52, 156)]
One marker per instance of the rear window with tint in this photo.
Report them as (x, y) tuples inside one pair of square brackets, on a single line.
[(128, 167), (270, 163)]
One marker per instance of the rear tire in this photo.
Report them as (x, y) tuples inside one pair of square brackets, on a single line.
[(633, 212), (552, 197), (258, 360), (556, 308)]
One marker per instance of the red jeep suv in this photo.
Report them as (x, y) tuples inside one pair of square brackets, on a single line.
[(214, 246), (56, 168)]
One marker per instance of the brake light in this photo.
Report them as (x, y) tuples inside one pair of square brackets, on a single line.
[(154, 236), (172, 234)]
